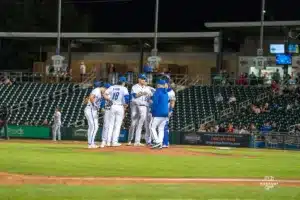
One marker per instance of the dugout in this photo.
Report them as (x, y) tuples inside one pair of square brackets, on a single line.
[(276, 34)]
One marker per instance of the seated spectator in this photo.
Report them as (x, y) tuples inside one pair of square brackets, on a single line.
[(45, 122), (275, 87), (289, 107), (202, 128), (266, 128), (255, 109), (230, 128), (266, 107), (242, 79), (221, 129), (219, 98), (7, 81), (252, 128), (232, 99), (244, 130)]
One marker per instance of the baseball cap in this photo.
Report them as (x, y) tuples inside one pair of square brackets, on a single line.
[(107, 85), (122, 79), (98, 84), (142, 76), (161, 82)]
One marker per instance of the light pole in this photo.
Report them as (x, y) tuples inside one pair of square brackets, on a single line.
[(58, 28), (155, 50), (262, 21)]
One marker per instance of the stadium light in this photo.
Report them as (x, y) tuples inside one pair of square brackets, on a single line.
[(58, 28), (155, 50), (262, 20)]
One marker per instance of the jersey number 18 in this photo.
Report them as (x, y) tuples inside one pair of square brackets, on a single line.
[(115, 96)]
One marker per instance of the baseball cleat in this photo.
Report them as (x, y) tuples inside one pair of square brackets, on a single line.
[(165, 146), (129, 144), (90, 146), (138, 145), (116, 145), (102, 145), (108, 144), (157, 145)]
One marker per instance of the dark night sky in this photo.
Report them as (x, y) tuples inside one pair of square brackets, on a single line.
[(182, 15)]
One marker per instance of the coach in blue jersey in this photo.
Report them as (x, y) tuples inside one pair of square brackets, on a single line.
[(160, 113)]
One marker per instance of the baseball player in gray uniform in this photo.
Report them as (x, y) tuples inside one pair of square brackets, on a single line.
[(140, 94), (56, 125)]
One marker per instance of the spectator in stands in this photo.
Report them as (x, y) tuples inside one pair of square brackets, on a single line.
[(244, 130), (222, 129), (232, 99), (265, 108), (242, 79), (253, 79), (252, 128), (255, 109), (82, 71), (219, 98), (289, 107), (230, 128), (7, 81), (275, 87), (276, 76), (266, 128), (202, 128)]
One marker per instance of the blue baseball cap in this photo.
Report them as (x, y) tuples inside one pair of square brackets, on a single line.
[(122, 79), (107, 85), (98, 84), (161, 82), (142, 76)]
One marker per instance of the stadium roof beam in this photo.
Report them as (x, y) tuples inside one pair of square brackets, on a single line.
[(220, 25), (108, 35)]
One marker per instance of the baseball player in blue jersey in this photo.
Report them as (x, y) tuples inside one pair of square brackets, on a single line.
[(91, 113), (160, 113), (119, 97), (105, 108), (172, 99)]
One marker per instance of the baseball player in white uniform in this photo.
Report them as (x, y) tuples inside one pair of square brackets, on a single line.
[(105, 107), (148, 137), (141, 94), (56, 126), (119, 97), (91, 113)]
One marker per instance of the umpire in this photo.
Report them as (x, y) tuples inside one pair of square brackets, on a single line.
[(3, 122)]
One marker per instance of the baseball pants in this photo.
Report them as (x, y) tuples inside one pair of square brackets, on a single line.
[(93, 123), (134, 120), (158, 123), (116, 117), (106, 121), (56, 132), (166, 134), (147, 128), (142, 116)]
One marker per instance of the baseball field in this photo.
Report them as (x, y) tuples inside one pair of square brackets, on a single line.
[(68, 171)]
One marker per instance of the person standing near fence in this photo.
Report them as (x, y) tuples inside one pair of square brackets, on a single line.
[(56, 125)]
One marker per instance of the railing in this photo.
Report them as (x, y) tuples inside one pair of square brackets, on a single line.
[(207, 120), (190, 127)]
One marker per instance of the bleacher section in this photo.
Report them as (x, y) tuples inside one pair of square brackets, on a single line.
[(193, 104), (277, 114), (198, 102)]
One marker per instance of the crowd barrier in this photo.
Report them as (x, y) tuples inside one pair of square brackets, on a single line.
[(274, 141)]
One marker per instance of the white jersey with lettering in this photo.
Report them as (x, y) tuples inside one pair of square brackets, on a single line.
[(117, 94), (142, 100), (57, 118), (96, 105)]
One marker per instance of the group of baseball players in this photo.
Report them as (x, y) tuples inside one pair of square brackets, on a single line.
[(150, 108)]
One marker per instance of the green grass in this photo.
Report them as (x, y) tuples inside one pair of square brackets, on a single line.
[(146, 192), (70, 160)]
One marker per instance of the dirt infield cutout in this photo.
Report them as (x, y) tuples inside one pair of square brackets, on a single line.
[(18, 179)]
